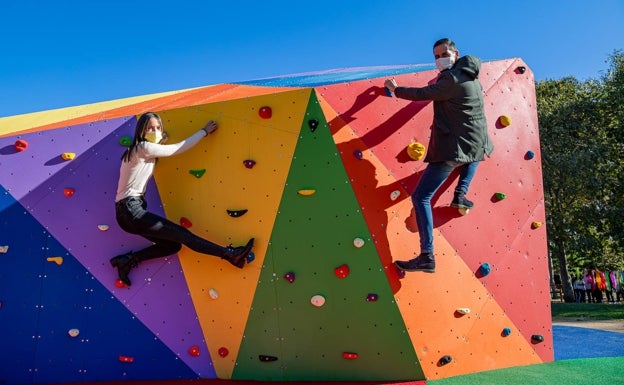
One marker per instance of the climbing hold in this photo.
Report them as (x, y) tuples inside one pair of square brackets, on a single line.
[(119, 283), (194, 351), (521, 69), (500, 196), (126, 359), (395, 195), (250, 257), (198, 173), (249, 163), (372, 297), (57, 260), (463, 310), (103, 227), (265, 358), (445, 360), (185, 222), (73, 333), (529, 155), (68, 192), (265, 112), (416, 150), (125, 141), (20, 145), (342, 271), (68, 155), (358, 242), (387, 91), (504, 120), (349, 355), (537, 338), (306, 192), (358, 154), (506, 332), (536, 224), (463, 210), (317, 300), (223, 352), (213, 293), (236, 213), (4, 249), (485, 269), (290, 277), (313, 124)]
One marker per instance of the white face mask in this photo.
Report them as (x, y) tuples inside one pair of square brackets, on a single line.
[(444, 63), (153, 136)]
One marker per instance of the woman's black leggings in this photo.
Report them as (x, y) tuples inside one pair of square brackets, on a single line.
[(168, 237)]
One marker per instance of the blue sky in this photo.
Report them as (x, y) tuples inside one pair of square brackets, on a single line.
[(62, 53)]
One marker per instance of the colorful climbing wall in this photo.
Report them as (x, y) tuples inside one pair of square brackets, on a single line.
[(315, 168)]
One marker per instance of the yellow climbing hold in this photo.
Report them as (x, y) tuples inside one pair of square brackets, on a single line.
[(306, 192), (68, 155), (416, 150), (57, 260), (536, 224), (504, 120)]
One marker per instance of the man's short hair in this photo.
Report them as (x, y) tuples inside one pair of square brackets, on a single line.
[(449, 42)]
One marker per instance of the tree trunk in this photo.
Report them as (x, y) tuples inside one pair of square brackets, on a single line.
[(566, 282)]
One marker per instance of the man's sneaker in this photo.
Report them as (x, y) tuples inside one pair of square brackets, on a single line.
[(460, 201), (424, 262), (237, 256)]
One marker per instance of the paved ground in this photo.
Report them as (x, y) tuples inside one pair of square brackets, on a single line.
[(608, 325)]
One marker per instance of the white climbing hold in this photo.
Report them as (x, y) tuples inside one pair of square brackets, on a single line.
[(213, 294), (358, 242), (317, 300)]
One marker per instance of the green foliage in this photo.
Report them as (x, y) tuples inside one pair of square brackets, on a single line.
[(582, 136)]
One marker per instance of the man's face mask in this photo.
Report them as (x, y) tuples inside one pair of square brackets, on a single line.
[(153, 136), (444, 63)]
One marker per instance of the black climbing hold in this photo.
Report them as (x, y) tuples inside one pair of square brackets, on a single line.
[(445, 360), (236, 213), (265, 358), (313, 123), (521, 69), (537, 338)]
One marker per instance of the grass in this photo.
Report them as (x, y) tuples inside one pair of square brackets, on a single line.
[(596, 311)]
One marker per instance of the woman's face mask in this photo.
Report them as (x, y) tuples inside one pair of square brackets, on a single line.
[(153, 136)]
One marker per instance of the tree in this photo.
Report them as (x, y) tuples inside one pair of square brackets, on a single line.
[(581, 141)]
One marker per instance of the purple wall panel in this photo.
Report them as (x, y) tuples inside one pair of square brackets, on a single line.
[(159, 296)]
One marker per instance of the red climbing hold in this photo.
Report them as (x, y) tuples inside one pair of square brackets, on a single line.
[(21, 145), (265, 112), (126, 359), (349, 355), (223, 352), (69, 192), (342, 271), (185, 222), (120, 284), (194, 351)]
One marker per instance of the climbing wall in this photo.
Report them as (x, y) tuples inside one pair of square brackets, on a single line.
[(315, 168)]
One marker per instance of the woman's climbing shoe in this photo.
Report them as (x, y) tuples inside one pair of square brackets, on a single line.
[(124, 263), (237, 256)]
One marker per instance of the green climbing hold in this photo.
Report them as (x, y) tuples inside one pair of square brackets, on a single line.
[(500, 196), (125, 141), (198, 173)]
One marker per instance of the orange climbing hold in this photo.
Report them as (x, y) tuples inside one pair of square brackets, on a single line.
[(57, 260)]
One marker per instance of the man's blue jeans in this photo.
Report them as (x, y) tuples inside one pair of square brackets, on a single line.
[(432, 178)]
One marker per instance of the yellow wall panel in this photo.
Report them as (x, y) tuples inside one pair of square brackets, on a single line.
[(228, 185)]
